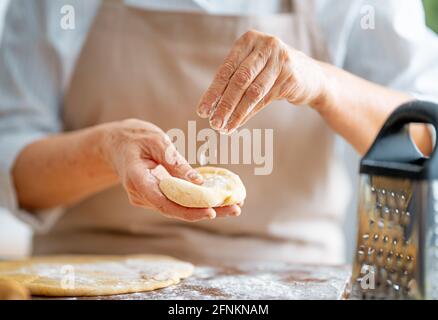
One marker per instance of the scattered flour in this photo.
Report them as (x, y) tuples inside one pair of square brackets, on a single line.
[(253, 282)]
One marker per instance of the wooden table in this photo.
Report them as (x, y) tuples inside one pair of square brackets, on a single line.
[(247, 281)]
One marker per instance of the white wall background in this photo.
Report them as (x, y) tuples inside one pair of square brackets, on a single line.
[(15, 237)]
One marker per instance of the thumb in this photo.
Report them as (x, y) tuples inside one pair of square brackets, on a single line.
[(178, 166)]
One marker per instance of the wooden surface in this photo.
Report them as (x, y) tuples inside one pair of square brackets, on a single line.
[(251, 281)]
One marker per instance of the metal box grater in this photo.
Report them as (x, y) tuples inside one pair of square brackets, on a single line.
[(397, 245)]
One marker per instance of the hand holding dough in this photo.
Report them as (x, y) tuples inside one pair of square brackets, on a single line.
[(221, 188)]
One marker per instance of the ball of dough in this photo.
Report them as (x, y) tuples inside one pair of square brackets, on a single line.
[(221, 188)]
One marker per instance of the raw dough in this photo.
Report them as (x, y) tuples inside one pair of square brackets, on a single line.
[(12, 290), (221, 188), (95, 275)]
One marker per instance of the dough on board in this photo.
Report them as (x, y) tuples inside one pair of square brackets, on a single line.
[(95, 275), (221, 188), (12, 290)]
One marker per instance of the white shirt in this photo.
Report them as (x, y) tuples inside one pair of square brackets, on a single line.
[(37, 57)]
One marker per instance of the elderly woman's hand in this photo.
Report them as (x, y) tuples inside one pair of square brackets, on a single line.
[(259, 69), (142, 154)]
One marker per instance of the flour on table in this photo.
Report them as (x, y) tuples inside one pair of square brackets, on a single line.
[(95, 275), (253, 281)]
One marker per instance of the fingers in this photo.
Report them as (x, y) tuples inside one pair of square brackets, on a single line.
[(238, 84), (263, 103), (230, 211), (244, 86), (142, 157), (143, 190), (188, 214), (255, 93), (242, 48), (166, 154)]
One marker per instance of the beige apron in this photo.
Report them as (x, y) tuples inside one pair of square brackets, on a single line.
[(154, 66)]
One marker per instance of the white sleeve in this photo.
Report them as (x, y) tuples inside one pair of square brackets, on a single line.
[(36, 57), (399, 52), (386, 42)]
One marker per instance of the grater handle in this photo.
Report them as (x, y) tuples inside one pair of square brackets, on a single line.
[(411, 112), (394, 144)]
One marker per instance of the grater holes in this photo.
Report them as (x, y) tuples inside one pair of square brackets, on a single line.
[(371, 255), (376, 237), (396, 215), (389, 259), (399, 260), (392, 200), (385, 243), (361, 254), (390, 204), (381, 197), (405, 218), (385, 213), (389, 282), (402, 200), (409, 263)]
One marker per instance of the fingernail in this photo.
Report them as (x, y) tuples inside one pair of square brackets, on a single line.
[(204, 111), (194, 175), (216, 123)]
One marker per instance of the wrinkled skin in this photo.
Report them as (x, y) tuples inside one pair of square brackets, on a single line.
[(258, 70), (142, 154)]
